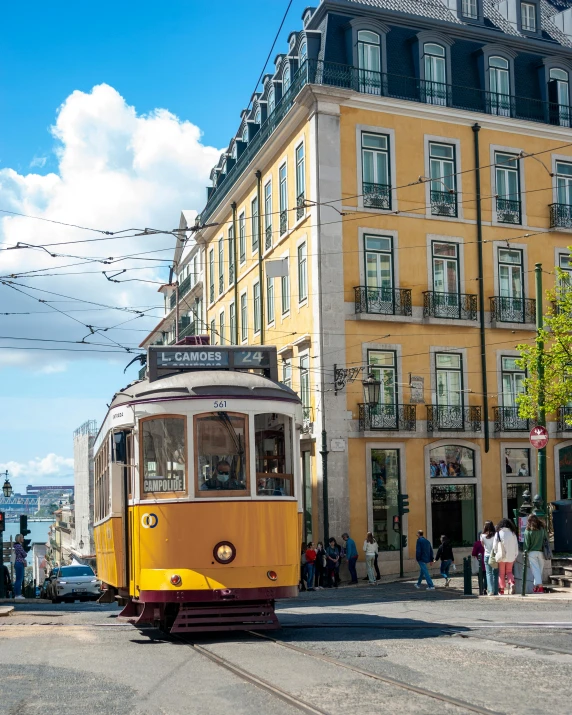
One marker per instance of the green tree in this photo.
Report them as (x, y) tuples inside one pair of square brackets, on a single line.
[(556, 339)]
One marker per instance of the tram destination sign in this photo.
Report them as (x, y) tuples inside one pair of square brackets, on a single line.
[(212, 357)]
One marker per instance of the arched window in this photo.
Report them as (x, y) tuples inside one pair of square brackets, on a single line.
[(369, 61), (303, 53), (258, 116), (559, 97), (435, 66), (453, 494), (271, 101), (245, 133), (499, 86), (286, 79)]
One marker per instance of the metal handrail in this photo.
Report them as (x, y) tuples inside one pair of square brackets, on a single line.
[(451, 306), (454, 418), (560, 216), (387, 417), (383, 301), (505, 309), (507, 419)]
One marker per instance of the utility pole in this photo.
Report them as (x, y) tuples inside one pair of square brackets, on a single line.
[(541, 453)]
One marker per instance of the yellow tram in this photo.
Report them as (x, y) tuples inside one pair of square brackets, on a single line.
[(198, 490)]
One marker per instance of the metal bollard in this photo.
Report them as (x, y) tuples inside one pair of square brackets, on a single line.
[(524, 570), (467, 576), (481, 576)]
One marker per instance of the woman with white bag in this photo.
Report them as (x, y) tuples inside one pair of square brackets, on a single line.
[(505, 549)]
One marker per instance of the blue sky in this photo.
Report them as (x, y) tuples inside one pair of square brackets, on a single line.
[(199, 61)]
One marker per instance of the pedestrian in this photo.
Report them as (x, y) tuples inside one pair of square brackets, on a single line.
[(487, 540), (371, 550), (333, 561), (302, 586), (534, 538), (478, 553), (424, 557), (505, 548), (445, 555), (20, 564), (352, 556), (310, 565), (320, 566), (7, 581)]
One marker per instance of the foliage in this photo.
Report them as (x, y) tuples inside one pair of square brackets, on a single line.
[(556, 355)]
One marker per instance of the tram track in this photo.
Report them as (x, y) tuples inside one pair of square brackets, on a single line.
[(462, 704)]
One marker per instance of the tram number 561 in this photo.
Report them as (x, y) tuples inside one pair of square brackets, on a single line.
[(219, 404)]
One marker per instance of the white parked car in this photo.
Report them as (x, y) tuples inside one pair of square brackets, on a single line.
[(71, 583)]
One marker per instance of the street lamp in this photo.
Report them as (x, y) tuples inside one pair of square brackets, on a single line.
[(81, 545), (7, 488), (371, 390)]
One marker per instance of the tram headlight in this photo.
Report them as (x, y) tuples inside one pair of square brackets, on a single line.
[(224, 552), (176, 580)]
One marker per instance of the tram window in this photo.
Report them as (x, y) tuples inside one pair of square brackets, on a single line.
[(273, 443), (164, 453), (221, 454), (101, 482)]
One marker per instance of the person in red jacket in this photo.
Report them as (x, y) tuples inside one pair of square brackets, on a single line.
[(310, 565)]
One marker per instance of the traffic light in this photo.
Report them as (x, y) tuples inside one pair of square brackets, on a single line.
[(396, 523), (24, 531), (2, 521), (403, 504), (404, 541)]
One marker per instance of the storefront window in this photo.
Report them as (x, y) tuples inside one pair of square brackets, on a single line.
[(385, 488), (453, 512), (452, 461), (517, 462), (164, 454), (565, 461), (273, 443), (221, 444), (514, 498)]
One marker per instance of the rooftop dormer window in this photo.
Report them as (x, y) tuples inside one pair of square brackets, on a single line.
[(271, 101), (258, 116), (285, 79), (435, 73), (303, 52), (499, 86), (369, 61), (470, 9), (528, 16)]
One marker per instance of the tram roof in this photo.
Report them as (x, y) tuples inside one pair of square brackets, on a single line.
[(205, 383)]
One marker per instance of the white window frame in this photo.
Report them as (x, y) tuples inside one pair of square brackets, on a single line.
[(243, 315), (498, 149), (257, 324), (285, 280), (429, 139), (232, 322), (532, 478), (390, 133), (302, 244), (242, 238), (221, 327), (299, 174)]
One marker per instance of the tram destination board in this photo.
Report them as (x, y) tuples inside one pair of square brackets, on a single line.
[(162, 360)]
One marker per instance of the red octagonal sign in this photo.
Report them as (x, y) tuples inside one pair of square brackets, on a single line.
[(539, 437)]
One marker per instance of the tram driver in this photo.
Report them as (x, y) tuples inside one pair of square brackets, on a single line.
[(222, 479)]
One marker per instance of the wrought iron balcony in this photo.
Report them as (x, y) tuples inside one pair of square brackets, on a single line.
[(221, 283), (513, 310), (453, 418), (377, 196), (444, 203), (383, 301), (564, 423), (560, 216), (173, 300), (268, 237), (186, 327), (507, 419), (230, 273), (387, 417), (283, 222), (186, 285), (300, 207), (412, 89), (452, 306), (508, 210)]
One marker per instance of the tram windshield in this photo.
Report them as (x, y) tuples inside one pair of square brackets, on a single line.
[(273, 443), (164, 454), (222, 454)]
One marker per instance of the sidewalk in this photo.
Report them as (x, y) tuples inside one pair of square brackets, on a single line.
[(6, 610)]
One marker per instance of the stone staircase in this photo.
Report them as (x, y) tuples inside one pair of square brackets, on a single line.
[(561, 578)]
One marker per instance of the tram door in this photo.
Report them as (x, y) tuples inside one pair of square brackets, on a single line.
[(123, 442)]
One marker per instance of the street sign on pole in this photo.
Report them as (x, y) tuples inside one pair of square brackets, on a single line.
[(539, 437)]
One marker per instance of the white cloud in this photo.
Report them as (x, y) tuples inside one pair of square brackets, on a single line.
[(116, 170), (39, 161), (52, 465)]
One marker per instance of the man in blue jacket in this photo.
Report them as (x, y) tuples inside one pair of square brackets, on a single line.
[(424, 556), (352, 556)]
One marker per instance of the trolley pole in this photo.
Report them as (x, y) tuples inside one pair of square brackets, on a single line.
[(541, 453)]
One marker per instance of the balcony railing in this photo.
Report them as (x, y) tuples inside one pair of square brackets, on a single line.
[(211, 293), (389, 85), (376, 196), (508, 210), (268, 237), (186, 327), (231, 273), (300, 207), (283, 222), (453, 418), (387, 417), (513, 310), (452, 306), (564, 417), (383, 301), (443, 203), (560, 216), (221, 283), (507, 420)]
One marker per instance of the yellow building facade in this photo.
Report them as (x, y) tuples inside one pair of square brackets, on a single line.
[(364, 229)]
